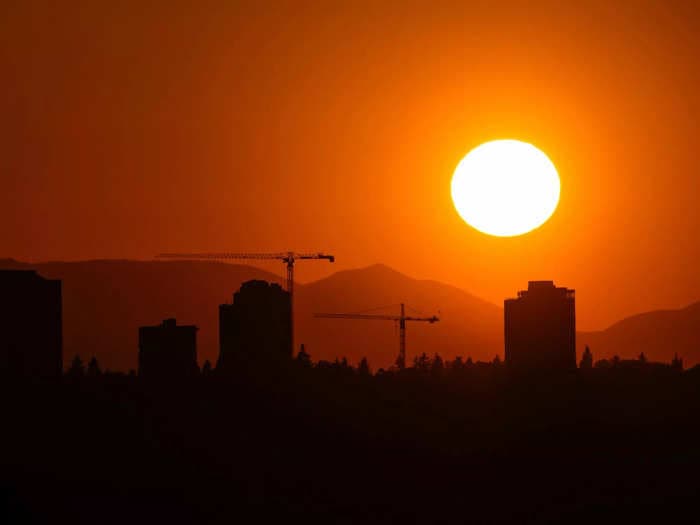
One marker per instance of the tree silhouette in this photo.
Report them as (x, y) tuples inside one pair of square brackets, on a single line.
[(438, 365), (77, 369), (602, 363), (586, 359), (457, 365), (642, 358), (422, 362), (677, 363), (303, 358), (363, 368), (93, 368)]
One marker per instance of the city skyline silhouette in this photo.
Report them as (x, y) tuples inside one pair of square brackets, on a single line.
[(255, 331), (481, 335)]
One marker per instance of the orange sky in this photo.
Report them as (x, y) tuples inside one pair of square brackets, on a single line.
[(129, 130)]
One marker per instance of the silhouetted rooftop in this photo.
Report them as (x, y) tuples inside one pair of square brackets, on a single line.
[(534, 285), (544, 287)]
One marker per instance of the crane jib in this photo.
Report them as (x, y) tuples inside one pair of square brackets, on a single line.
[(401, 360)]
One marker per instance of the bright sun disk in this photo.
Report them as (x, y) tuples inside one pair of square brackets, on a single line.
[(505, 188)]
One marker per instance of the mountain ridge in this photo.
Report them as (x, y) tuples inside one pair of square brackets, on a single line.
[(658, 333)]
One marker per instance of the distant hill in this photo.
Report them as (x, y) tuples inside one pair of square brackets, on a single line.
[(105, 301), (468, 325), (659, 334)]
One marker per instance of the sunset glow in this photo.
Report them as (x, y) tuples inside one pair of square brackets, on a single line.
[(505, 188)]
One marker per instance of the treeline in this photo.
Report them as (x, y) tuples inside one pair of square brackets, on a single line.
[(433, 365), (442, 441)]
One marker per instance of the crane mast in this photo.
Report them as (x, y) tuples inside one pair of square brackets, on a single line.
[(289, 258), (402, 319)]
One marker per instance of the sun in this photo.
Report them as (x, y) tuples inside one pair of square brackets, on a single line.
[(505, 188)]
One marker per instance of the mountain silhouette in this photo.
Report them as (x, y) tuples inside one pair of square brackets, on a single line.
[(659, 334), (468, 326), (105, 301)]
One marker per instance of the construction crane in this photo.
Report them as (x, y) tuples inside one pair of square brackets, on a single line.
[(289, 258), (402, 318)]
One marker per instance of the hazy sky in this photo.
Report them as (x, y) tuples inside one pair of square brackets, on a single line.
[(129, 129)]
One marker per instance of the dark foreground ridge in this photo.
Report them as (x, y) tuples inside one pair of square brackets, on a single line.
[(433, 443)]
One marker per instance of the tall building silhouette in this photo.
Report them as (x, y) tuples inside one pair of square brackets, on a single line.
[(31, 334), (256, 329), (540, 327), (168, 350)]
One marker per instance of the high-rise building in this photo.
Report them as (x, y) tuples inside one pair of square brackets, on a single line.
[(540, 327), (168, 350), (256, 329), (31, 333)]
